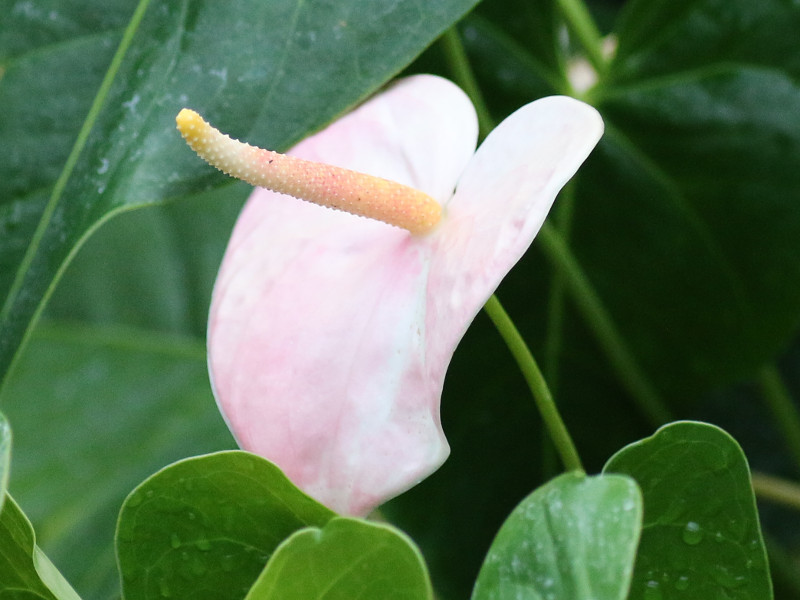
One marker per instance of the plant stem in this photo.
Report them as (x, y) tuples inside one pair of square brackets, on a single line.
[(596, 316), (783, 409), (583, 27), (538, 386), (457, 59), (555, 248), (561, 216), (556, 312), (463, 75), (775, 489)]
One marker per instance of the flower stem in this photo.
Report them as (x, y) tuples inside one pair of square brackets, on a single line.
[(596, 316), (775, 489), (583, 27), (783, 409), (538, 386), (556, 302), (587, 300), (463, 75)]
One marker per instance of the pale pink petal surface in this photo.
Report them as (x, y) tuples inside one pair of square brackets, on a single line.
[(330, 335), (501, 201), (313, 331)]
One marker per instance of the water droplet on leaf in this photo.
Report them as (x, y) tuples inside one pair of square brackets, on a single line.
[(652, 591), (692, 533), (682, 582)]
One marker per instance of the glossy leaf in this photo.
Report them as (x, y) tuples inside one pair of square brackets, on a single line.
[(163, 285), (347, 558), (114, 406), (25, 572), (5, 457), (206, 526), (698, 177), (660, 37), (575, 537), (701, 536), (242, 66), (700, 180)]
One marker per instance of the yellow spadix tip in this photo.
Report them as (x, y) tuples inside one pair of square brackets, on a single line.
[(326, 185)]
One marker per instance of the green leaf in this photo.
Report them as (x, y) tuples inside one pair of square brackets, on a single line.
[(244, 65), (686, 213), (206, 526), (516, 58), (5, 457), (701, 536), (163, 285), (575, 537), (664, 37), (95, 411), (697, 175), (348, 558), (25, 572), (31, 26)]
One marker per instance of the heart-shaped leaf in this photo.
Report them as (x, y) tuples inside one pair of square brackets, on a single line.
[(204, 527), (119, 403), (347, 558), (701, 536), (574, 537)]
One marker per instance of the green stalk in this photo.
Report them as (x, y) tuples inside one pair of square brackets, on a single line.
[(580, 23), (538, 386), (783, 409), (556, 312), (775, 489), (556, 302), (463, 75), (600, 322), (457, 59)]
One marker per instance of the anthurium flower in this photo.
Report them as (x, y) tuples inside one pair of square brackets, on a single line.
[(330, 334)]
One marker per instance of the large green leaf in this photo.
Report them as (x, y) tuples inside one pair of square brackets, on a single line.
[(345, 559), (95, 411), (697, 175), (206, 526), (574, 537), (701, 536), (163, 285), (674, 37), (245, 65)]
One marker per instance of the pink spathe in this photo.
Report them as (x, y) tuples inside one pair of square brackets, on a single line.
[(330, 334)]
